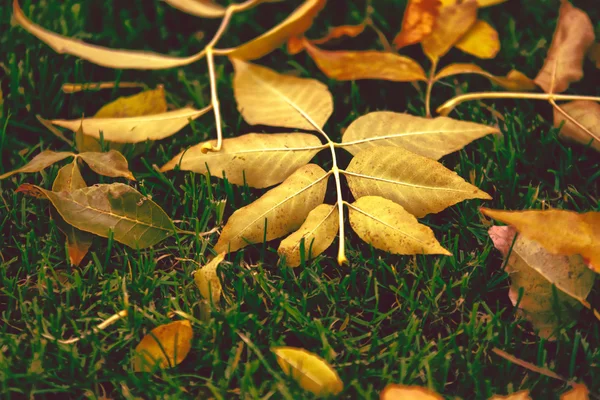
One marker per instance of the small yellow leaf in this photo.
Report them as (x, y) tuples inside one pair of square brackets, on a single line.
[(402, 392), (587, 113), (480, 41), (164, 347), (514, 80), (310, 371), (207, 280), (578, 392), (148, 102)]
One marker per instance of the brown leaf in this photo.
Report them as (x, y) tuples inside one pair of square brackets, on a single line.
[(42, 161), (514, 80), (587, 114), (402, 392), (480, 41), (594, 54), (418, 21), (164, 347), (111, 164), (573, 36)]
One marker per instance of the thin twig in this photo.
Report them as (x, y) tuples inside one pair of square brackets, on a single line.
[(103, 325), (430, 81)]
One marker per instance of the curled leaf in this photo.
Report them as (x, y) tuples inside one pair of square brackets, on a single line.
[(199, 8), (402, 392), (42, 161), (587, 114), (164, 347), (481, 40), (514, 80), (207, 280)]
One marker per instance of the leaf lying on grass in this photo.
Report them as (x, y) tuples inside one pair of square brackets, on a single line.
[(42, 161), (418, 22), (164, 347), (514, 80), (587, 115), (207, 280), (199, 8), (402, 392), (481, 41)]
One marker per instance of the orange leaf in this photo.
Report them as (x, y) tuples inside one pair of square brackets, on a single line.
[(419, 19), (578, 392), (514, 80), (522, 395), (402, 392), (594, 54), (480, 41), (339, 32)]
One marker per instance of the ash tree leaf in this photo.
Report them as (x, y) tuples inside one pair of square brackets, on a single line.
[(403, 392), (521, 395), (267, 98), (110, 58), (199, 8), (134, 220), (42, 161), (573, 37), (587, 114), (295, 24), (207, 280), (280, 211), (389, 227), (311, 372), (111, 164), (295, 44), (481, 40), (257, 159), (432, 138), (318, 232), (558, 231), (420, 185), (535, 271), (418, 22), (514, 80), (164, 347)]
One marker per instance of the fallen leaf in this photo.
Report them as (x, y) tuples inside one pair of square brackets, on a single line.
[(402, 392), (310, 371), (594, 54), (132, 218), (256, 159), (121, 59), (481, 40), (432, 138), (573, 37), (318, 232), (514, 80), (480, 3), (587, 113), (111, 164), (521, 395), (418, 21), (164, 347), (558, 231), (338, 32), (79, 87), (207, 280), (57, 132), (199, 8), (280, 211), (42, 161), (578, 392), (389, 227), (267, 98)]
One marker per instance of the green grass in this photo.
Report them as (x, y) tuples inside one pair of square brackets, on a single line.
[(423, 320)]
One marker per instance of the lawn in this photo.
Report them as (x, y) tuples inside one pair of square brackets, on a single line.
[(417, 320)]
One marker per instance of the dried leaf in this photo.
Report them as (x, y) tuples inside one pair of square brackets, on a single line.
[(587, 113), (338, 32), (199, 8), (534, 271), (207, 280), (70, 88), (594, 54), (311, 372), (295, 24), (451, 24), (558, 231), (354, 65), (573, 37), (134, 220), (103, 56), (418, 21), (488, 3), (164, 347), (111, 164), (522, 395), (480, 41), (402, 392), (387, 226), (432, 138), (278, 212), (420, 185), (57, 132), (148, 102), (318, 231), (42, 161), (268, 98), (514, 80), (257, 159), (578, 392)]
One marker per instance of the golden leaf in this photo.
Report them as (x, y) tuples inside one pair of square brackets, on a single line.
[(514, 80), (402, 392), (578, 392), (418, 21), (586, 113), (199, 8), (164, 347), (481, 40), (207, 280)]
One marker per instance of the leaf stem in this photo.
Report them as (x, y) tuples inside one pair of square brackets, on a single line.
[(214, 98), (430, 81)]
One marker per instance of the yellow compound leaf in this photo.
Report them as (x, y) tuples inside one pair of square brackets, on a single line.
[(587, 114), (164, 347), (514, 80), (310, 371), (402, 392), (207, 280), (480, 41)]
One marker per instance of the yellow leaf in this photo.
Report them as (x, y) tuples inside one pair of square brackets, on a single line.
[(207, 280), (280, 211), (522, 395), (388, 227), (573, 37), (418, 21), (295, 24), (337, 32), (514, 80), (318, 232), (488, 3), (578, 392), (164, 347), (480, 41), (587, 114), (558, 231), (402, 392), (42, 161), (268, 98), (199, 8), (103, 56), (79, 87), (310, 371)]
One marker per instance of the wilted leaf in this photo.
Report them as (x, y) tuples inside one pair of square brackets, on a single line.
[(135, 220), (257, 159), (318, 231), (402, 392), (111, 164), (558, 231), (534, 271), (310, 371), (207, 280), (164, 347), (42, 161), (433, 138), (451, 24), (587, 113), (522, 395), (295, 24), (199, 8), (103, 56), (578, 392), (280, 211), (480, 41), (387, 226), (420, 185), (418, 21), (573, 36), (268, 98), (354, 65), (514, 80)]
